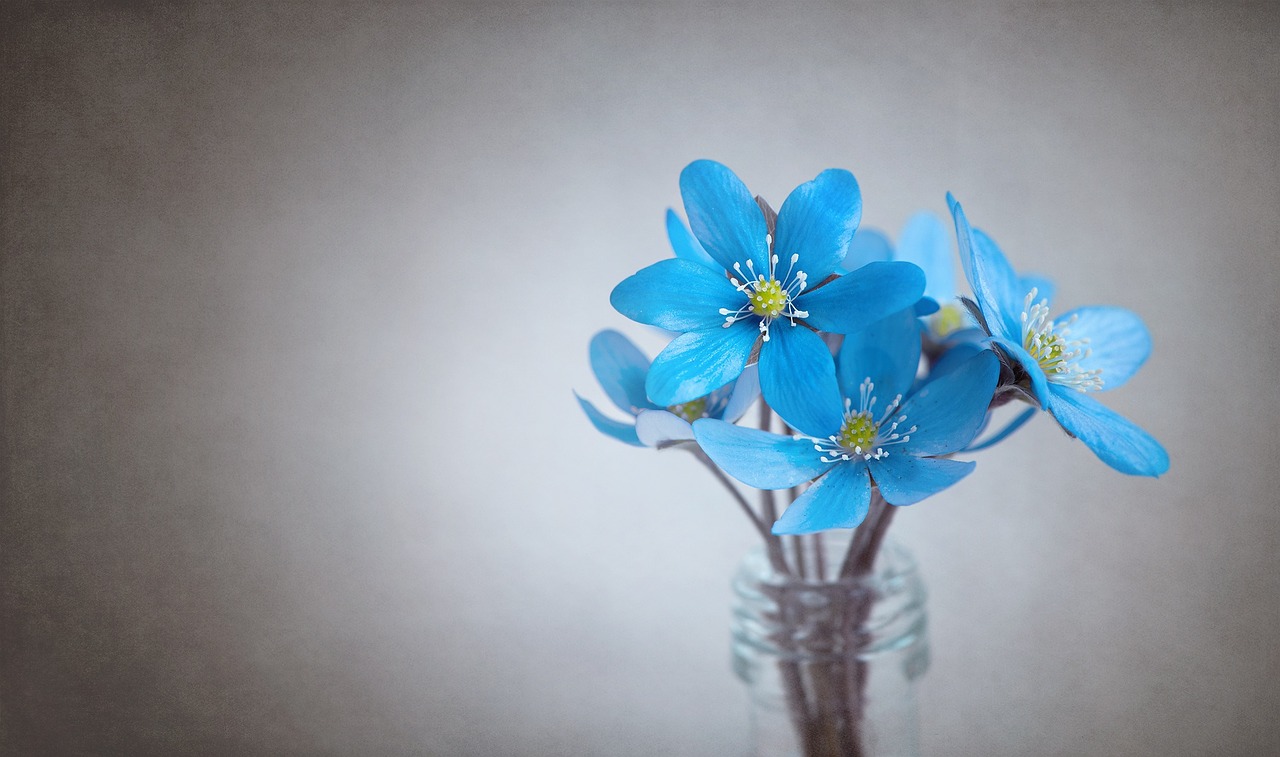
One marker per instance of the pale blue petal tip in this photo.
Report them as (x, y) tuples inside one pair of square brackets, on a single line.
[(657, 427), (623, 432)]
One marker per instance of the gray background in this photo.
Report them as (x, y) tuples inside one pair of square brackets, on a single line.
[(294, 296)]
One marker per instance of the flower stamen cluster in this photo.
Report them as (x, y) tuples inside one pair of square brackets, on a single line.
[(1055, 349), (691, 410), (860, 434), (768, 297)]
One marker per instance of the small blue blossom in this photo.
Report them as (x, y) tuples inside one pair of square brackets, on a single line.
[(930, 244), (1064, 359), (870, 437), (769, 286), (621, 367)]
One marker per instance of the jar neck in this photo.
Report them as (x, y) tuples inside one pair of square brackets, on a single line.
[(819, 611)]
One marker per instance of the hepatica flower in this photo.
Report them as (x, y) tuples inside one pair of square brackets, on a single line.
[(621, 367), (768, 287), (863, 433), (1085, 350), (930, 244), (828, 326)]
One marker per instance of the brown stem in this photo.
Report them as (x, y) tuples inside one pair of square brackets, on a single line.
[(769, 511), (733, 490), (797, 546), (862, 536), (868, 557), (801, 716), (819, 556)]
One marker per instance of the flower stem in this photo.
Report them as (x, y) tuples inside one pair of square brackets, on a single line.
[(767, 507), (797, 546), (867, 539), (775, 556), (819, 561), (868, 557)]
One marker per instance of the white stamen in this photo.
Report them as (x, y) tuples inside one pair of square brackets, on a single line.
[(1053, 347), (833, 449), (775, 304)]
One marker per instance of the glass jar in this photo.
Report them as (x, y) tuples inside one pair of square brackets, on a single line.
[(830, 662)]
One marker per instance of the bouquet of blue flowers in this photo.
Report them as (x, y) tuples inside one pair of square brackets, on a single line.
[(870, 371)]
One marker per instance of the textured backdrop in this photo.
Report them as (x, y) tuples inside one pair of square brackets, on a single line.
[(294, 296)]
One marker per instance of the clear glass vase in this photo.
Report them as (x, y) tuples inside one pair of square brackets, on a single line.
[(830, 662)]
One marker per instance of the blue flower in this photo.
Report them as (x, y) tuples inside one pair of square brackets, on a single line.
[(621, 367), (762, 287), (927, 242), (1084, 350), (871, 436)]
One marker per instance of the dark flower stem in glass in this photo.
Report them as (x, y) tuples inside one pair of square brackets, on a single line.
[(810, 612)]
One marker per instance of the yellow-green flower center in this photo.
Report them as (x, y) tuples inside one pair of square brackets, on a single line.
[(768, 299), (769, 295), (858, 432), (861, 435), (949, 318), (1055, 349), (691, 410), (1046, 348)]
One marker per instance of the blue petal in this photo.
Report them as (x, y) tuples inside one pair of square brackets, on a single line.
[(926, 242), (953, 358), (1119, 342), (905, 480), (867, 246), (926, 305), (1113, 438), (1016, 352), (982, 427), (817, 221), (948, 411), (994, 284), (724, 216), (686, 246), (1044, 287), (858, 299), (758, 458), (887, 352), (745, 391), (676, 295), (1007, 286), (839, 499), (620, 367), (798, 379), (695, 364), (655, 427), (970, 333), (623, 432)]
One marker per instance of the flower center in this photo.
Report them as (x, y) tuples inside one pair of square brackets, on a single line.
[(691, 410), (859, 431), (1055, 349), (769, 295), (768, 299), (861, 435), (949, 318)]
